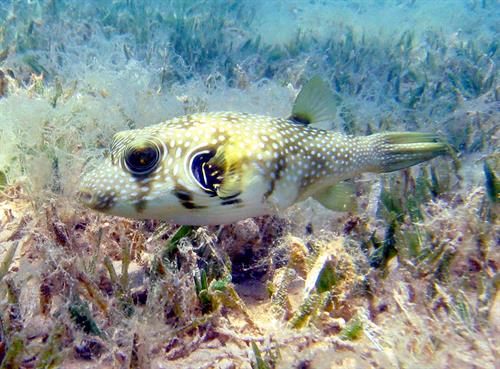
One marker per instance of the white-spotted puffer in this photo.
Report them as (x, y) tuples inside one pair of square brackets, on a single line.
[(216, 168)]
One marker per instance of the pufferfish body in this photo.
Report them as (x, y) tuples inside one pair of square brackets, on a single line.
[(217, 168)]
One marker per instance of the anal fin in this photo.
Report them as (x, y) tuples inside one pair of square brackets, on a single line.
[(339, 197)]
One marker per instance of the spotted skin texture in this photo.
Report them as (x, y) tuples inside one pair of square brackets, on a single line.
[(259, 165)]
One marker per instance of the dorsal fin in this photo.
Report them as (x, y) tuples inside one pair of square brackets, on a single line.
[(315, 104), (230, 171)]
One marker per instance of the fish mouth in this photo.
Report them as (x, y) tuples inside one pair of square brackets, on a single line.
[(84, 197), (93, 201)]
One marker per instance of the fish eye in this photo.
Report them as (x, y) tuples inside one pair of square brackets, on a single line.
[(142, 160), (207, 175)]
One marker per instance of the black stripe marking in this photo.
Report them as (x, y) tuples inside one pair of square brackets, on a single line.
[(183, 195), (281, 166), (191, 205), (186, 198), (140, 205), (231, 201), (230, 197), (104, 202), (302, 120)]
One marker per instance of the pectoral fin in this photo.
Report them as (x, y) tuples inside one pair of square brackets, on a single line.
[(227, 162)]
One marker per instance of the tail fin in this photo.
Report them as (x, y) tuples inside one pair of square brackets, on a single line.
[(397, 150)]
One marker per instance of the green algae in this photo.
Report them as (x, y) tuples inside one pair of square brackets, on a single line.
[(259, 363), (173, 242), (492, 182), (303, 314), (3, 180), (82, 317), (352, 331), (12, 359), (7, 260), (385, 252), (201, 285), (51, 355)]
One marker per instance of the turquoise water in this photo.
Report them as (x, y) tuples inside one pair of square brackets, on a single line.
[(407, 278), (415, 61)]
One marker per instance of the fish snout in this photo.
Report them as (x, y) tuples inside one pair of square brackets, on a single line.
[(85, 197), (95, 201)]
